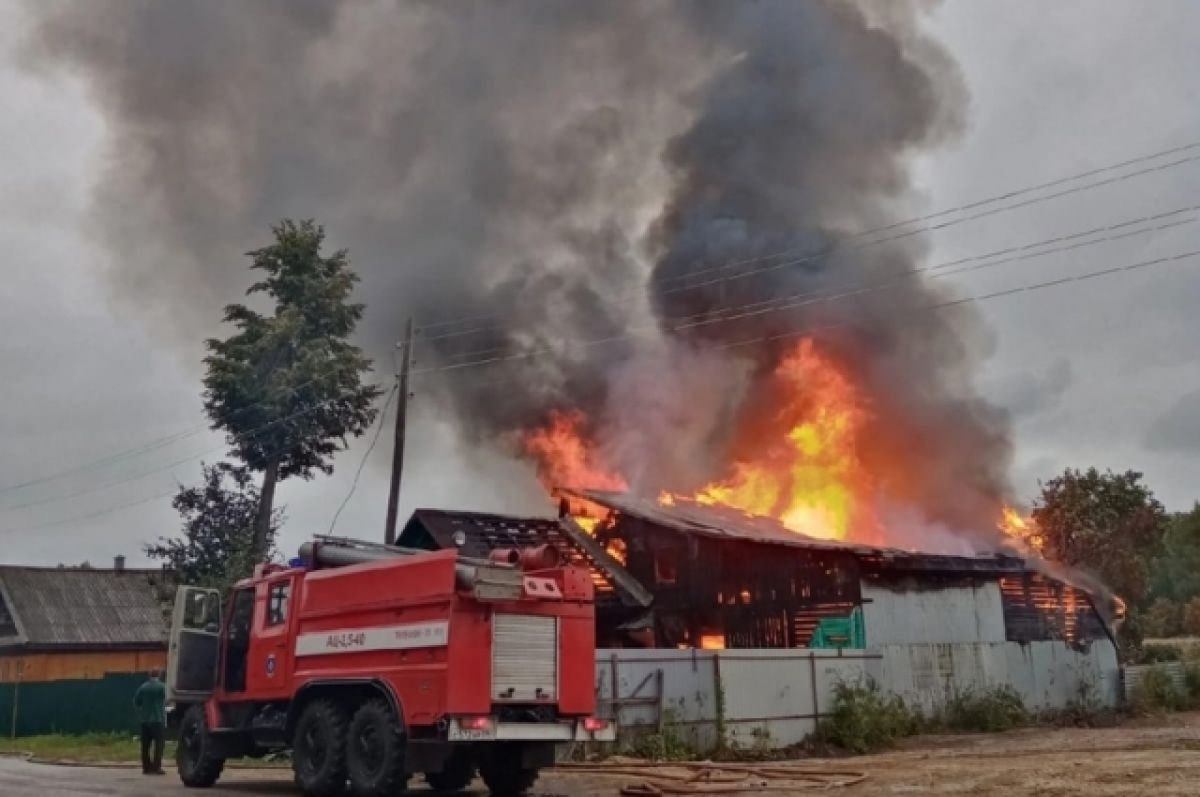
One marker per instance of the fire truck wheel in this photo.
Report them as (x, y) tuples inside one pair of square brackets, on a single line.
[(194, 758), (504, 773), (319, 748), (456, 775), (375, 751)]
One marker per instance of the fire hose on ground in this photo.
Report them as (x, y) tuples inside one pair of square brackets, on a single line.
[(711, 778)]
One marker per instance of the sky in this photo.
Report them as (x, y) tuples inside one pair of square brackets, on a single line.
[(1094, 373)]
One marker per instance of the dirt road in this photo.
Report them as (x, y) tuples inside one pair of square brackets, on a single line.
[(1159, 758)]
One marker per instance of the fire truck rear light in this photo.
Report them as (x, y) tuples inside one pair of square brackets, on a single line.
[(476, 723), (593, 724)]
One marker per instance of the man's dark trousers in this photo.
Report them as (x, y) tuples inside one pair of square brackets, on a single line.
[(152, 732)]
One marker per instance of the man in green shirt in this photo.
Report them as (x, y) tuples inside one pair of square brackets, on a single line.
[(150, 700)]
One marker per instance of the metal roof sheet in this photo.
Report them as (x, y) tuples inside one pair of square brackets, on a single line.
[(82, 607), (731, 524)]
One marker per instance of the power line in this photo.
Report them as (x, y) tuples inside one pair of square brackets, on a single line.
[(1006, 196), (812, 297), (1030, 288), (887, 228), (147, 447), (163, 468), (90, 515), (901, 277), (362, 464), (252, 432), (144, 448)]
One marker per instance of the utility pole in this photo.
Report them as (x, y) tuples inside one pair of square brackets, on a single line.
[(389, 533)]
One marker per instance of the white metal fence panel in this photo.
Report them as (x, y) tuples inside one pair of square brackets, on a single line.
[(777, 697), (1044, 674), (1132, 676)]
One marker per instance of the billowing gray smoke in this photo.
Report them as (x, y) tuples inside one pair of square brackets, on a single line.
[(572, 179)]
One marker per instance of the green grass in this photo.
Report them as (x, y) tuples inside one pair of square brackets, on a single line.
[(89, 747)]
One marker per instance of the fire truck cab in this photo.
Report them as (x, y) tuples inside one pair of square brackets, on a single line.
[(373, 663)]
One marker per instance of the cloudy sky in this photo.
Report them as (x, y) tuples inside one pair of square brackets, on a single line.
[(1100, 372)]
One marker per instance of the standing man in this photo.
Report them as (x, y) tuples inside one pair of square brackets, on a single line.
[(150, 700)]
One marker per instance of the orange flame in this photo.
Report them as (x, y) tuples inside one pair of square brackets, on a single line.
[(565, 458), (808, 458), (1023, 529), (800, 464)]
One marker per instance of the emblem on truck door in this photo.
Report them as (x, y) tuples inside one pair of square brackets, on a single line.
[(270, 665)]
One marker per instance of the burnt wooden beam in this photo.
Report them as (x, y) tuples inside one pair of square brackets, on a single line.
[(629, 586)]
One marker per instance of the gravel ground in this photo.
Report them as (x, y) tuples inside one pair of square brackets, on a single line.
[(1160, 758)]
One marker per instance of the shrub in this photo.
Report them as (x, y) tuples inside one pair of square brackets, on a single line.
[(863, 719), (1154, 654), (998, 709), (1190, 622), (1191, 682), (1156, 691), (665, 745), (1163, 619)]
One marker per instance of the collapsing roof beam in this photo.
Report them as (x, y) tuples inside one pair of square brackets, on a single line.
[(629, 586)]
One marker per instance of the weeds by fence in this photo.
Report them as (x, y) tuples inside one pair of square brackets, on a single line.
[(989, 710), (864, 719)]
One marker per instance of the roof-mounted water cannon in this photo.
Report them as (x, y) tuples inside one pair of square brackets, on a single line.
[(529, 559)]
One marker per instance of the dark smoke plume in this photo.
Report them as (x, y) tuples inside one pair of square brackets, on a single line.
[(568, 177)]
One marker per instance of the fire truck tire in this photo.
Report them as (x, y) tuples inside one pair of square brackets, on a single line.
[(375, 751), (194, 759), (456, 775), (319, 749), (504, 773)]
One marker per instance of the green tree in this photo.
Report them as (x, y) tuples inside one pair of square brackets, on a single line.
[(1190, 622), (1175, 573), (287, 388), (217, 546), (1163, 619), (1108, 523)]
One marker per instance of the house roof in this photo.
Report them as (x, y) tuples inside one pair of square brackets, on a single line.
[(691, 517), (482, 533), (83, 608)]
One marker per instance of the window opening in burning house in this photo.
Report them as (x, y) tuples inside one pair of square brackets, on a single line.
[(665, 567), (776, 597), (1041, 609)]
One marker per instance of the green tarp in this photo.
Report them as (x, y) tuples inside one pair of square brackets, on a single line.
[(840, 632)]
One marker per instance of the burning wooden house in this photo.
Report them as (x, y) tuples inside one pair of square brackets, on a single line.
[(690, 576)]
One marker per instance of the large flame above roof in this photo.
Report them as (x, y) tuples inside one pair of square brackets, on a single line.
[(805, 457), (798, 462)]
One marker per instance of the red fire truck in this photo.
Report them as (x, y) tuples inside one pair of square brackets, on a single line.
[(372, 663)]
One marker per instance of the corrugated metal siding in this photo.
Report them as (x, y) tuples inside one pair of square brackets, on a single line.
[(524, 658), (1133, 675), (959, 613), (64, 607)]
